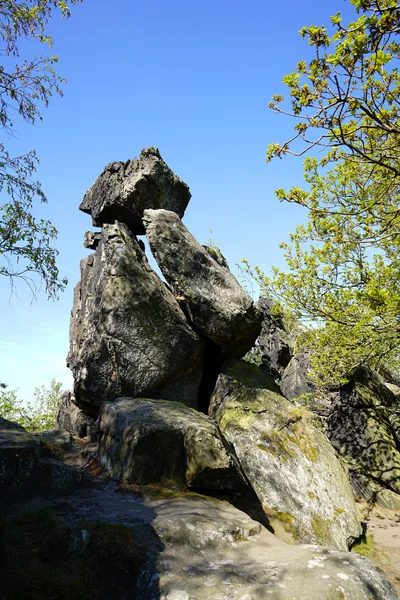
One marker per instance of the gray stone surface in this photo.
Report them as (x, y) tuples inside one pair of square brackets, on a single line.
[(294, 382), (364, 427), (54, 438), (303, 488), (215, 303), (71, 418), (274, 343), (128, 335), (124, 190), (217, 255), (203, 549), (145, 441), (92, 239)]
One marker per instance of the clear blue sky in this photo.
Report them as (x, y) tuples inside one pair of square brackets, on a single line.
[(194, 79)]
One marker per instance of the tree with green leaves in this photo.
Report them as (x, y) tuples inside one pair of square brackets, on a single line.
[(26, 86), (37, 415), (343, 272)]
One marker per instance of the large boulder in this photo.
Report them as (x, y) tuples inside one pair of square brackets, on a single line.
[(19, 457), (294, 470), (25, 472), (215, 303), (125, 189), (128, 335), (364, 427), (145, 441)]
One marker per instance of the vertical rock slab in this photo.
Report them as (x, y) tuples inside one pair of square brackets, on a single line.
[(364, 427), (274, 343), (128, 335), (215, 303), (124, 190), (303, 488), (71, 418)]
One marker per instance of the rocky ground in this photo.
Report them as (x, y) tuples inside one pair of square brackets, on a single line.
[(384, 549), (109, 541)]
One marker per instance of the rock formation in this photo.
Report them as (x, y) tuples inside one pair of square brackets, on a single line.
[(294, 470), (131, 334), (128, 335), (364, 427), (157, 364), (124, 190), (146, 441), (214, 302)]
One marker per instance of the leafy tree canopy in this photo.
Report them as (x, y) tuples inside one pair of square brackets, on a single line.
[(344, 264), (26, 85), (37, 415)]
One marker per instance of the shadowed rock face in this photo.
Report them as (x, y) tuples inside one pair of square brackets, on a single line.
[(364, 427), (145, 441), (274, 342), (124, 190), (128, 335), (200, 548), (292, 467), (216, 305), (71, 418)]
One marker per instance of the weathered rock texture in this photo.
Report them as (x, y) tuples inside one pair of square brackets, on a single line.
[(19, 456), (145, 441), (25, 469), (92, 239), (128, 335), (204, 549), (124, 190), (295, 472), (294, 382), (274, 343), (364, 427), (71, 418), (215, 303)]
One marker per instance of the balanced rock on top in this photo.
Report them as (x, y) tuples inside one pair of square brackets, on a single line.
[(124, 190), (215, 303)]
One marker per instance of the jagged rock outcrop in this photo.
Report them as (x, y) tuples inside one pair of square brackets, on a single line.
[(303, 488), (124, 190), (294, 381), (128, 334), (274, 343), (92, 240), (364, 427), (71, 418), (145, 441), (216, 305)]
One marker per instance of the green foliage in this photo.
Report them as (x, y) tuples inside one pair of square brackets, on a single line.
[(37, 415), (25, 242), (343, 277)]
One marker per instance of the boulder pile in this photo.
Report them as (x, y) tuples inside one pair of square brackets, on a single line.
[(160, 380), (131, 333)]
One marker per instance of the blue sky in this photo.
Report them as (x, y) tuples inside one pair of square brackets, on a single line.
[(193, 79)]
